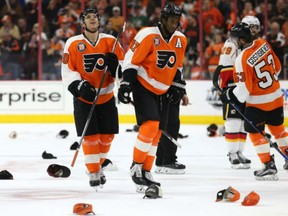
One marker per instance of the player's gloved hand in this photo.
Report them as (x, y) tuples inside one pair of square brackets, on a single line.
[(176, 91), (124, 92), (227, 96), (82, 88), (111, 60)]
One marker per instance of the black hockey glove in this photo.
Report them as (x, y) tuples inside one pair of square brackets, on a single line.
[(111, 60), (124, 92), (227, 96), (176, 91), (82, 88)]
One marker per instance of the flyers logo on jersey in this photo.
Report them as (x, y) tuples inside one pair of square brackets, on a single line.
[(166, 58), (92, 61)]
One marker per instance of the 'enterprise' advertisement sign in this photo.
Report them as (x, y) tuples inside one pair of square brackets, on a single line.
[(39, 96)]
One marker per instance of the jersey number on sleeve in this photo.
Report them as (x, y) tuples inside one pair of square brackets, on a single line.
[(226, 50)]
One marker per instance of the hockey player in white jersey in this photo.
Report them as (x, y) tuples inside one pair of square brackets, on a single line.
[(235, 134)]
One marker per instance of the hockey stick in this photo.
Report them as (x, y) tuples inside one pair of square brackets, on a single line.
[(165, 133), (274, 144), (95, 100)]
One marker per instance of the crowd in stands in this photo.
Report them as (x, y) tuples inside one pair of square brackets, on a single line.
[(19, 33)]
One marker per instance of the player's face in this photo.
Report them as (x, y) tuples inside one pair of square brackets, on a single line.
[(91, 21), (172, 24), (255, 29)]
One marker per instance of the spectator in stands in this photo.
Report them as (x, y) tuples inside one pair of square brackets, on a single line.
[(8, 26), (231, 19), (277, 41), (10, 55), (138, 20), (213, 52), (248, 10), (109, 29), (31, 12), (70, 12), (103, 19), (280, 12), (211, 16), (46, 27), (192, 32), (30, 51), (155, 17), (50, 11), (15, 10), (65, 31), (52, 67), (110, 8), (117, 20), (23, 29)]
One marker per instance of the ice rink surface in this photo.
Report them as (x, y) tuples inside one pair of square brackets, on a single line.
[(34, 192)]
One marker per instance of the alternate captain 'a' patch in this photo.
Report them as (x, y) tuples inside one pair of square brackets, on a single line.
[(178, 43)]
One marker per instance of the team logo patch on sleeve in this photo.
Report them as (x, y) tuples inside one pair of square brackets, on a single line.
[(65, 58), (81, 47)]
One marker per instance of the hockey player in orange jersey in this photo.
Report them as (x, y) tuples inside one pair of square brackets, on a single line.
[(256, 73), (83, 65), (152, 71), (235, 135)]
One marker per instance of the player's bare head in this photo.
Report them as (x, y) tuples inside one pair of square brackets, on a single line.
[(89, 16), (170, 18), (254, 24), (241, 35)]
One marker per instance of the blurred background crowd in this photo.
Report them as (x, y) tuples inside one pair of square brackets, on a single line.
[(28, 26)]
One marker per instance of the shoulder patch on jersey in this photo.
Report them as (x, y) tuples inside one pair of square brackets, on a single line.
[(81, 47), (156, 41), (178, 43), (65, 58)]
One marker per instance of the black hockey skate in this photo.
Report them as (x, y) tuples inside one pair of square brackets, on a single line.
[(94, 180), (102, 178), (147, 176), (174, 168), (140, 177), (234, 160), (268, 172), (245, 162)]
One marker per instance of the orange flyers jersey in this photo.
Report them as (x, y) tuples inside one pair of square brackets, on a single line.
[(155, 60), (82, 60), (256, 76), (228, 55)]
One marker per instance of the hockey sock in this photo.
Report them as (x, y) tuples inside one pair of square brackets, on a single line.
[(280, 135), (261, 145), (234, 134), (92, 153), (147, 131), (105, 144), (149, 161)]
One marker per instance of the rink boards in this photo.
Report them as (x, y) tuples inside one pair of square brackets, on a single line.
[(50, 102)]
